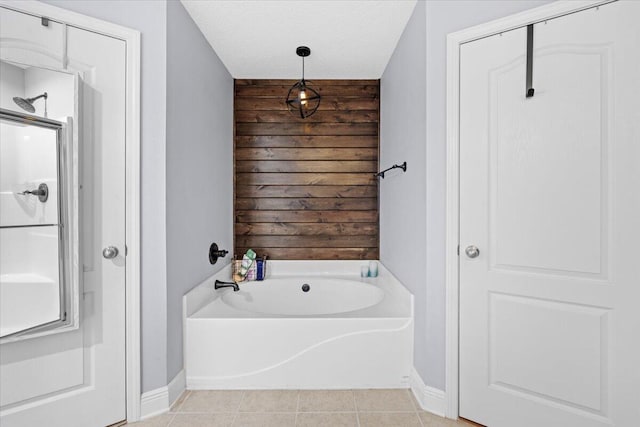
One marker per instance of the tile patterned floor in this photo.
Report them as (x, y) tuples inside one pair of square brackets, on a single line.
[(283, 408)]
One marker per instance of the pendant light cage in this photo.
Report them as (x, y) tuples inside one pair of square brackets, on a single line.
[(302, 100)]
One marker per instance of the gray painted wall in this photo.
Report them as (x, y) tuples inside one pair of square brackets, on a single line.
[(199, 166), (416, 260), (402, 195), (150, 18)]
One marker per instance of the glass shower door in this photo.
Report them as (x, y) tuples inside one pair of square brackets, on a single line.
[(33, 250)]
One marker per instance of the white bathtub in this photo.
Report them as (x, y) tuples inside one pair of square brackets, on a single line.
[(345, 332)]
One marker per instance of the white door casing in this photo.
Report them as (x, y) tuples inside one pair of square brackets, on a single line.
[(548, 193), (111, 95)]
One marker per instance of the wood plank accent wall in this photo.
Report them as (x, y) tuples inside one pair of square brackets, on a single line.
[(304, 188)]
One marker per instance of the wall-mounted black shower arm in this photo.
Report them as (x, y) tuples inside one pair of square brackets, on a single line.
[(402, 166)]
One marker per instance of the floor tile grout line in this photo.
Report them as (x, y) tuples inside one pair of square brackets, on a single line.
[(244, 393), (237, 413), (419, 418), (414, 402), (355, 405), (284, 412), (187, 393), (171, 420), (297, 408), (260, 412), (412, 399), (187, 397)]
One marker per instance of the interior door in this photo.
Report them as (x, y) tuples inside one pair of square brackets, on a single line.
[(77, 378), (549, 209)]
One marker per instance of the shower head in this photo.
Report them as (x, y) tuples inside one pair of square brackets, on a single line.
[(27, 103), (24, 104)]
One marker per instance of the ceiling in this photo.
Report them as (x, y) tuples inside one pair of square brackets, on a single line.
[(258, 39)]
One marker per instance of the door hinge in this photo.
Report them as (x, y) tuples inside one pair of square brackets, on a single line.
[(458, 250), (44, 21)]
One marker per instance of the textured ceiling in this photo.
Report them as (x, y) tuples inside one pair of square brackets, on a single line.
[(258, 39)]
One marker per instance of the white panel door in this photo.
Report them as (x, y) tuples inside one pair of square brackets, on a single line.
[(550, 195), (78, 378), (24, 39)]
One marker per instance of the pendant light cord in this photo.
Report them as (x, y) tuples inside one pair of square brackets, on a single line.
[(303, 68)]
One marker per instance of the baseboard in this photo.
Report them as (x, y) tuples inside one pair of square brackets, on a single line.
[(176, 387), (430, 399), (154, 402), (159, 401)]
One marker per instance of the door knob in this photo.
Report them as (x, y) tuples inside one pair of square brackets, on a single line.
[(472, 251), (110, 252)]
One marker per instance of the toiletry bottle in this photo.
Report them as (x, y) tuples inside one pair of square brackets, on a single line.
[(264, 266), (252, 273), (236, 269), (260, 269), (373, 269), (247, 262)]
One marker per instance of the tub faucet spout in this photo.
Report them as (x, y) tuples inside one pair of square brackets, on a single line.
[(219, 284)]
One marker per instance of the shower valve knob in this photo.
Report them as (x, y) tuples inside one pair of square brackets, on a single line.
[(215, 253), (110, 252), (42, 192)]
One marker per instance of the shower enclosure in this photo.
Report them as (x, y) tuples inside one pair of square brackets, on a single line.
[(37, 291)]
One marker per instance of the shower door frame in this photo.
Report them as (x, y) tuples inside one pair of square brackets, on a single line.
[(67, 243), (452, 239), (132, 177)]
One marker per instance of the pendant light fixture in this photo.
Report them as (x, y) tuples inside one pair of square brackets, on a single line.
[(302, 101)]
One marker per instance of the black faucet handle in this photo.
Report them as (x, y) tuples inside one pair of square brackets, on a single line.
[(215, 253)]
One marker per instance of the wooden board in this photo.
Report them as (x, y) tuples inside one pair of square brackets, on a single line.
[(328, 103), (279, 217), (305, 188), (309, 203), (308, 166), (306, 229), (306, 128), (288, 83), (278, 91), (333, 154), (323, 116), (306, 141), (257, 191), (314, 253), (305, 179)]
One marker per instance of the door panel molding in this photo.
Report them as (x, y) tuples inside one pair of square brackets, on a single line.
[(132, 179), (454, 41)]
